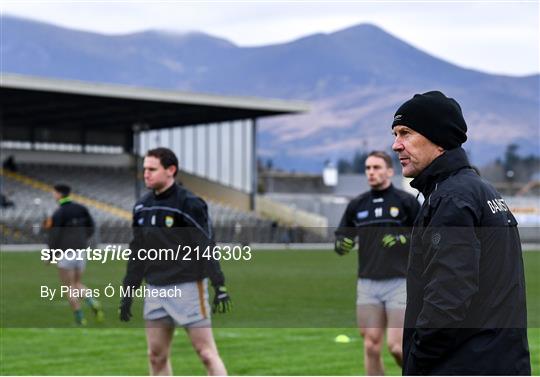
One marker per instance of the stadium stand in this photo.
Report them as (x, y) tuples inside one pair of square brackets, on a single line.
[(51, 126), (109, 194)]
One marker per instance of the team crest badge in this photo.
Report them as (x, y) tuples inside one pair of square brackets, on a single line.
[(394, 211), (169, 221)]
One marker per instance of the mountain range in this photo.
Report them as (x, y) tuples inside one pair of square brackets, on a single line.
[(354, 80)]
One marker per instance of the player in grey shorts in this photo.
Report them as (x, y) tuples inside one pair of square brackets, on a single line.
[(72, 263), (167, 216), (392, 293), (381, 220), (69, 229), (185, 305)]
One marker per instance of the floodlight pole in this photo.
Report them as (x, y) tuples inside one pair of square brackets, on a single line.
[(254, 178), (1, 125), (136, 130)]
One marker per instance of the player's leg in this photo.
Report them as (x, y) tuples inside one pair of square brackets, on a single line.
[(77, 281), (67, 278), (204, 344), (372, 322), (94, 304), (159, 335), (395, 299), (394, 334)]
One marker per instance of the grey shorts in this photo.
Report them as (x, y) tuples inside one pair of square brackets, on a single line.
[(391, 293), (72, 264), (189, 310)]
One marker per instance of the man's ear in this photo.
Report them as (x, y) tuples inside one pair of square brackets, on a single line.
[(171, 170)]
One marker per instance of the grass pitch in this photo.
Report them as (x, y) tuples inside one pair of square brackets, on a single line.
[(288, 308)]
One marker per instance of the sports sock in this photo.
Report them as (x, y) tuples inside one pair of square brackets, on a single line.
[(79, 316), (91, 302)]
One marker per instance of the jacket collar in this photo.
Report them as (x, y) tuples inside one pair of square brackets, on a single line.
[(64, 200), (441, 168), (165, 194)]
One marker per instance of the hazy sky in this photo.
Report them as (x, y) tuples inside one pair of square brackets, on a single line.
[(493, 36)]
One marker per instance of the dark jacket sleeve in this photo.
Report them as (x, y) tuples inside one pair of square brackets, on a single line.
[(90, 225), (135, 267), (55, 232), (451, 259), (413, 207), (202, 235), (346, 227)]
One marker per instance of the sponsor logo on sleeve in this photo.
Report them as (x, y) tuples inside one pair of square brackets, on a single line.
[(362, 214)]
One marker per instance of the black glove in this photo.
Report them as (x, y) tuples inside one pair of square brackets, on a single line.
[(343, 245), (222, 300), (124, 310)]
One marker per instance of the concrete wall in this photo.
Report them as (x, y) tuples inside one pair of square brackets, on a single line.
[(68, 158)]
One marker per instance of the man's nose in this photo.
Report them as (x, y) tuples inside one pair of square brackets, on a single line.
[(397, 146)]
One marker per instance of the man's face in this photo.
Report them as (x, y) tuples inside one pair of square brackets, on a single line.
[(378, 173), (415, 151), (56, 195), (156, 177)]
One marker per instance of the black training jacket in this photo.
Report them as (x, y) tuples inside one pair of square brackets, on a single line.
[(174, 218), (370, 217), (71, 227), (466, 312)]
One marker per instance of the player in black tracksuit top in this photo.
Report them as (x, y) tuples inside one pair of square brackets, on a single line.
[(166, 220), (373, 215), (381, 219), (466, 291), (71, 226), (466, 311), (172, 218)]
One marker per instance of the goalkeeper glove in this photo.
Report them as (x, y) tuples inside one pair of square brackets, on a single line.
[(222, 300), (390, 240), (124, 311), (343, 245)]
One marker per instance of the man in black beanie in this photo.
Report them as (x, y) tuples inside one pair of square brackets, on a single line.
[(466, 311)]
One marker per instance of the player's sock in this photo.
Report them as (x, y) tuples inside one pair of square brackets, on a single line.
[(79, 317), (91, 302), (96, 308)]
